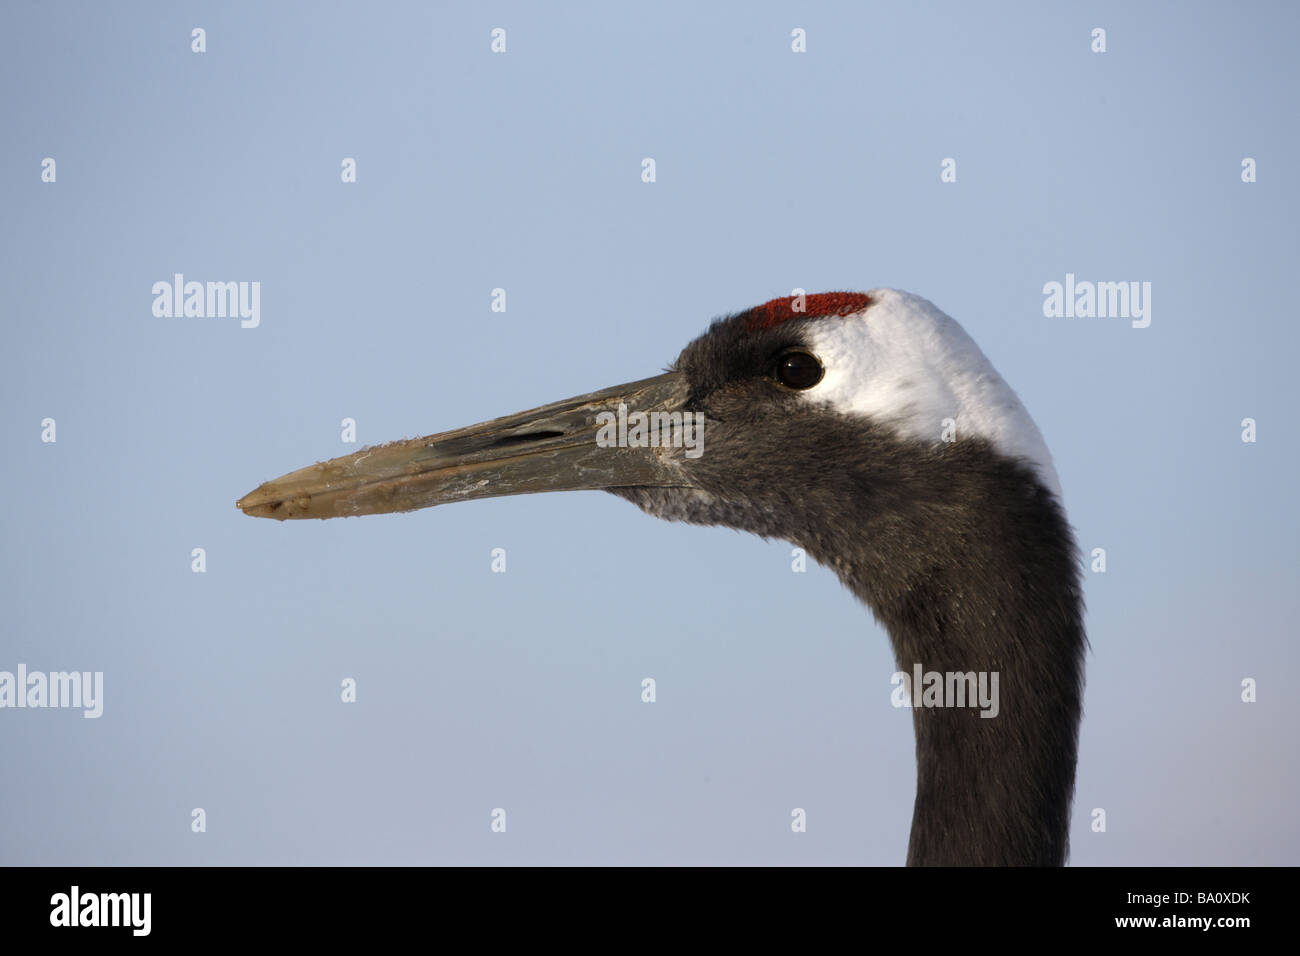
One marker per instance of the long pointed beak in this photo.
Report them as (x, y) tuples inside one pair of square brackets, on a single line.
[(557, 447)]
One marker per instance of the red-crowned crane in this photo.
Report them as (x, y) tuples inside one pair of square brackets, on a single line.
[(871, 431)]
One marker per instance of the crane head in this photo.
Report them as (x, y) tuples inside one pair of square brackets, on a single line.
[(761, 423)]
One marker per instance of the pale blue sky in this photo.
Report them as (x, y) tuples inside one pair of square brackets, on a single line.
[(775, 171)]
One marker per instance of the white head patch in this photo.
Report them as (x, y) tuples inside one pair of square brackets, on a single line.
[(905, 364)]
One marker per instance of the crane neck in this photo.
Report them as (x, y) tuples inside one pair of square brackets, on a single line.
[(978, 587)]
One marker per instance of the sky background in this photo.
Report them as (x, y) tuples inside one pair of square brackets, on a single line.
[(522, 171)]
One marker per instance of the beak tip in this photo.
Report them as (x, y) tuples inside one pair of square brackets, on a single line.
[(259, 504)]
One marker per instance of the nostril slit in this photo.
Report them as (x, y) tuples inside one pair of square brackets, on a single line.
[(525, 438)]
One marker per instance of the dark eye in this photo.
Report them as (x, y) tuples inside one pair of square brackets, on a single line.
[(798, 369)]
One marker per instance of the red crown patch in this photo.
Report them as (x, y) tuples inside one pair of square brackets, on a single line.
[(771, 314)]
